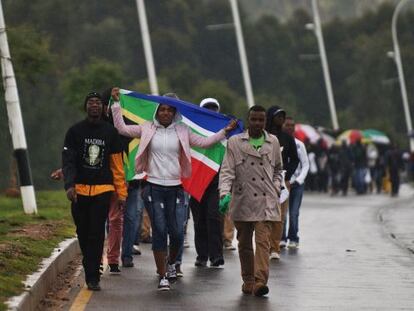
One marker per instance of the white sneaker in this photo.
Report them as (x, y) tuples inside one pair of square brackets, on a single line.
[(164, 284), (282, 244), (293, 244), (171, 273), (274, 255)]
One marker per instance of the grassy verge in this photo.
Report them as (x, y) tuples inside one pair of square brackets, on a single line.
[(26, 239)]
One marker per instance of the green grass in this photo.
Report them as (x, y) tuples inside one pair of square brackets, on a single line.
[(26, 239)]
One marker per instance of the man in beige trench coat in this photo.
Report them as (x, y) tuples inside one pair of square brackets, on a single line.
[(251, 171)]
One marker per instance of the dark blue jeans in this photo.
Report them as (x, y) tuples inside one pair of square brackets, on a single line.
[(295, 201), (359, 180), (166, 209), (132, 219), (179, 258)]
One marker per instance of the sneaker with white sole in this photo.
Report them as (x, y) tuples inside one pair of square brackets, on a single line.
[(114, 269), (282, 244), (178, 271), (136, 250), (164, 284), (274, 255), (101, 269), (229, 246), (293, 245), (171, 273)]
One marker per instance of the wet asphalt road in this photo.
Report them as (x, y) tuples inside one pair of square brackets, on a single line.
[(346, 261)]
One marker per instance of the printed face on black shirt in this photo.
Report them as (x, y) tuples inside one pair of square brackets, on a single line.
[(93, 153)]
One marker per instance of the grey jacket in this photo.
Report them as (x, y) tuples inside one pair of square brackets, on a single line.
[(253, 178)]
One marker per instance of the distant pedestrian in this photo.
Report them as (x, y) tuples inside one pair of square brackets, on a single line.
[(251, 172), (360, 167), (394, 164), (323, 167), (345, 159), (297, 188), (92, 170), (311, 182), (275, 119), (164, 154), (334, 169)]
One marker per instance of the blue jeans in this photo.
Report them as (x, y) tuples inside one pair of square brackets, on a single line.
[(179, 258), (166, 209), (132, 219), (359, 180), (295, 201)]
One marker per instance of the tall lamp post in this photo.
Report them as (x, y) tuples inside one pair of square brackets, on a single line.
[(396, 55), (16, 122), (242, 53), (317, 28), (146, 40)]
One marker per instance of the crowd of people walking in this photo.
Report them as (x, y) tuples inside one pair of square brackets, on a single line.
[(259, 188)]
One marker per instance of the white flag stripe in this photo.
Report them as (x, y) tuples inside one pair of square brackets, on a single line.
[(202, 158)]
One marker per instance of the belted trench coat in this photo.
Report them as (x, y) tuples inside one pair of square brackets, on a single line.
[(253, 178)]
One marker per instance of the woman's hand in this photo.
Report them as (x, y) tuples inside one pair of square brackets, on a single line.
[(115, 94), (231, 126)]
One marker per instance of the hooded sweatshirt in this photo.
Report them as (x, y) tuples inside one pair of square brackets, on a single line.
[(287, 144), (164, 166)]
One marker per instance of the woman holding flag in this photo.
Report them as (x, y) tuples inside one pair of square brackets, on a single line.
[(164, 154)]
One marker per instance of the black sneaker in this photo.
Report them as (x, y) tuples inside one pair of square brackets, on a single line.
[(217, 262), (94, 285), (178, 271), (114, 268), (127, 263), (200, 263), (164, 284)]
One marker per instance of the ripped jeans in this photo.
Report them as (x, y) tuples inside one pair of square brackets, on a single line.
[(166, 209)]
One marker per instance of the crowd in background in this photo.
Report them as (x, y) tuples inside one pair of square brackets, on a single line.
[(366, 168)]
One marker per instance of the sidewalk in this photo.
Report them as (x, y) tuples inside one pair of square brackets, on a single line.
[(398, 217)]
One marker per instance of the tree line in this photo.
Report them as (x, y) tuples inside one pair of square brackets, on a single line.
[(63, 49)]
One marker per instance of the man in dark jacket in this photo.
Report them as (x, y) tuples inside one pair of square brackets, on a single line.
[(275, 119), (92, 171), (208, 223)]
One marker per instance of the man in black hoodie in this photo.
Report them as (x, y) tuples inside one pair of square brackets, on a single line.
[(275, 118)]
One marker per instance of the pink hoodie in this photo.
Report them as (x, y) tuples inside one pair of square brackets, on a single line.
[(146, 131)]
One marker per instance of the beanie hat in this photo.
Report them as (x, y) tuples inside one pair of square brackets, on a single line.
[(89, 96), (210, 101)]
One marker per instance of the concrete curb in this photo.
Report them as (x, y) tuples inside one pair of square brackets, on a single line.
[(395, 228), (38, 284)]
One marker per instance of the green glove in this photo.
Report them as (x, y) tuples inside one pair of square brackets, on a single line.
[(224, 203)]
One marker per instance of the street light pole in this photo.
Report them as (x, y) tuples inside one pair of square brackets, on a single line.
[(146, 40), (319, 36), (398, 62), (16, 122), (242, 53)]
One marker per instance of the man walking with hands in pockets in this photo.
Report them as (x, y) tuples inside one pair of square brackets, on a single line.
[(251, 172)]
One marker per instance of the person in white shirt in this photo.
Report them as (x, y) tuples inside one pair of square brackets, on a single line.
[(297, 186), (164, 154)]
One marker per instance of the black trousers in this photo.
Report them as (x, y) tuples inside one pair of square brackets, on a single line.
[(395, 182), (89, 215), (208, 225)]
